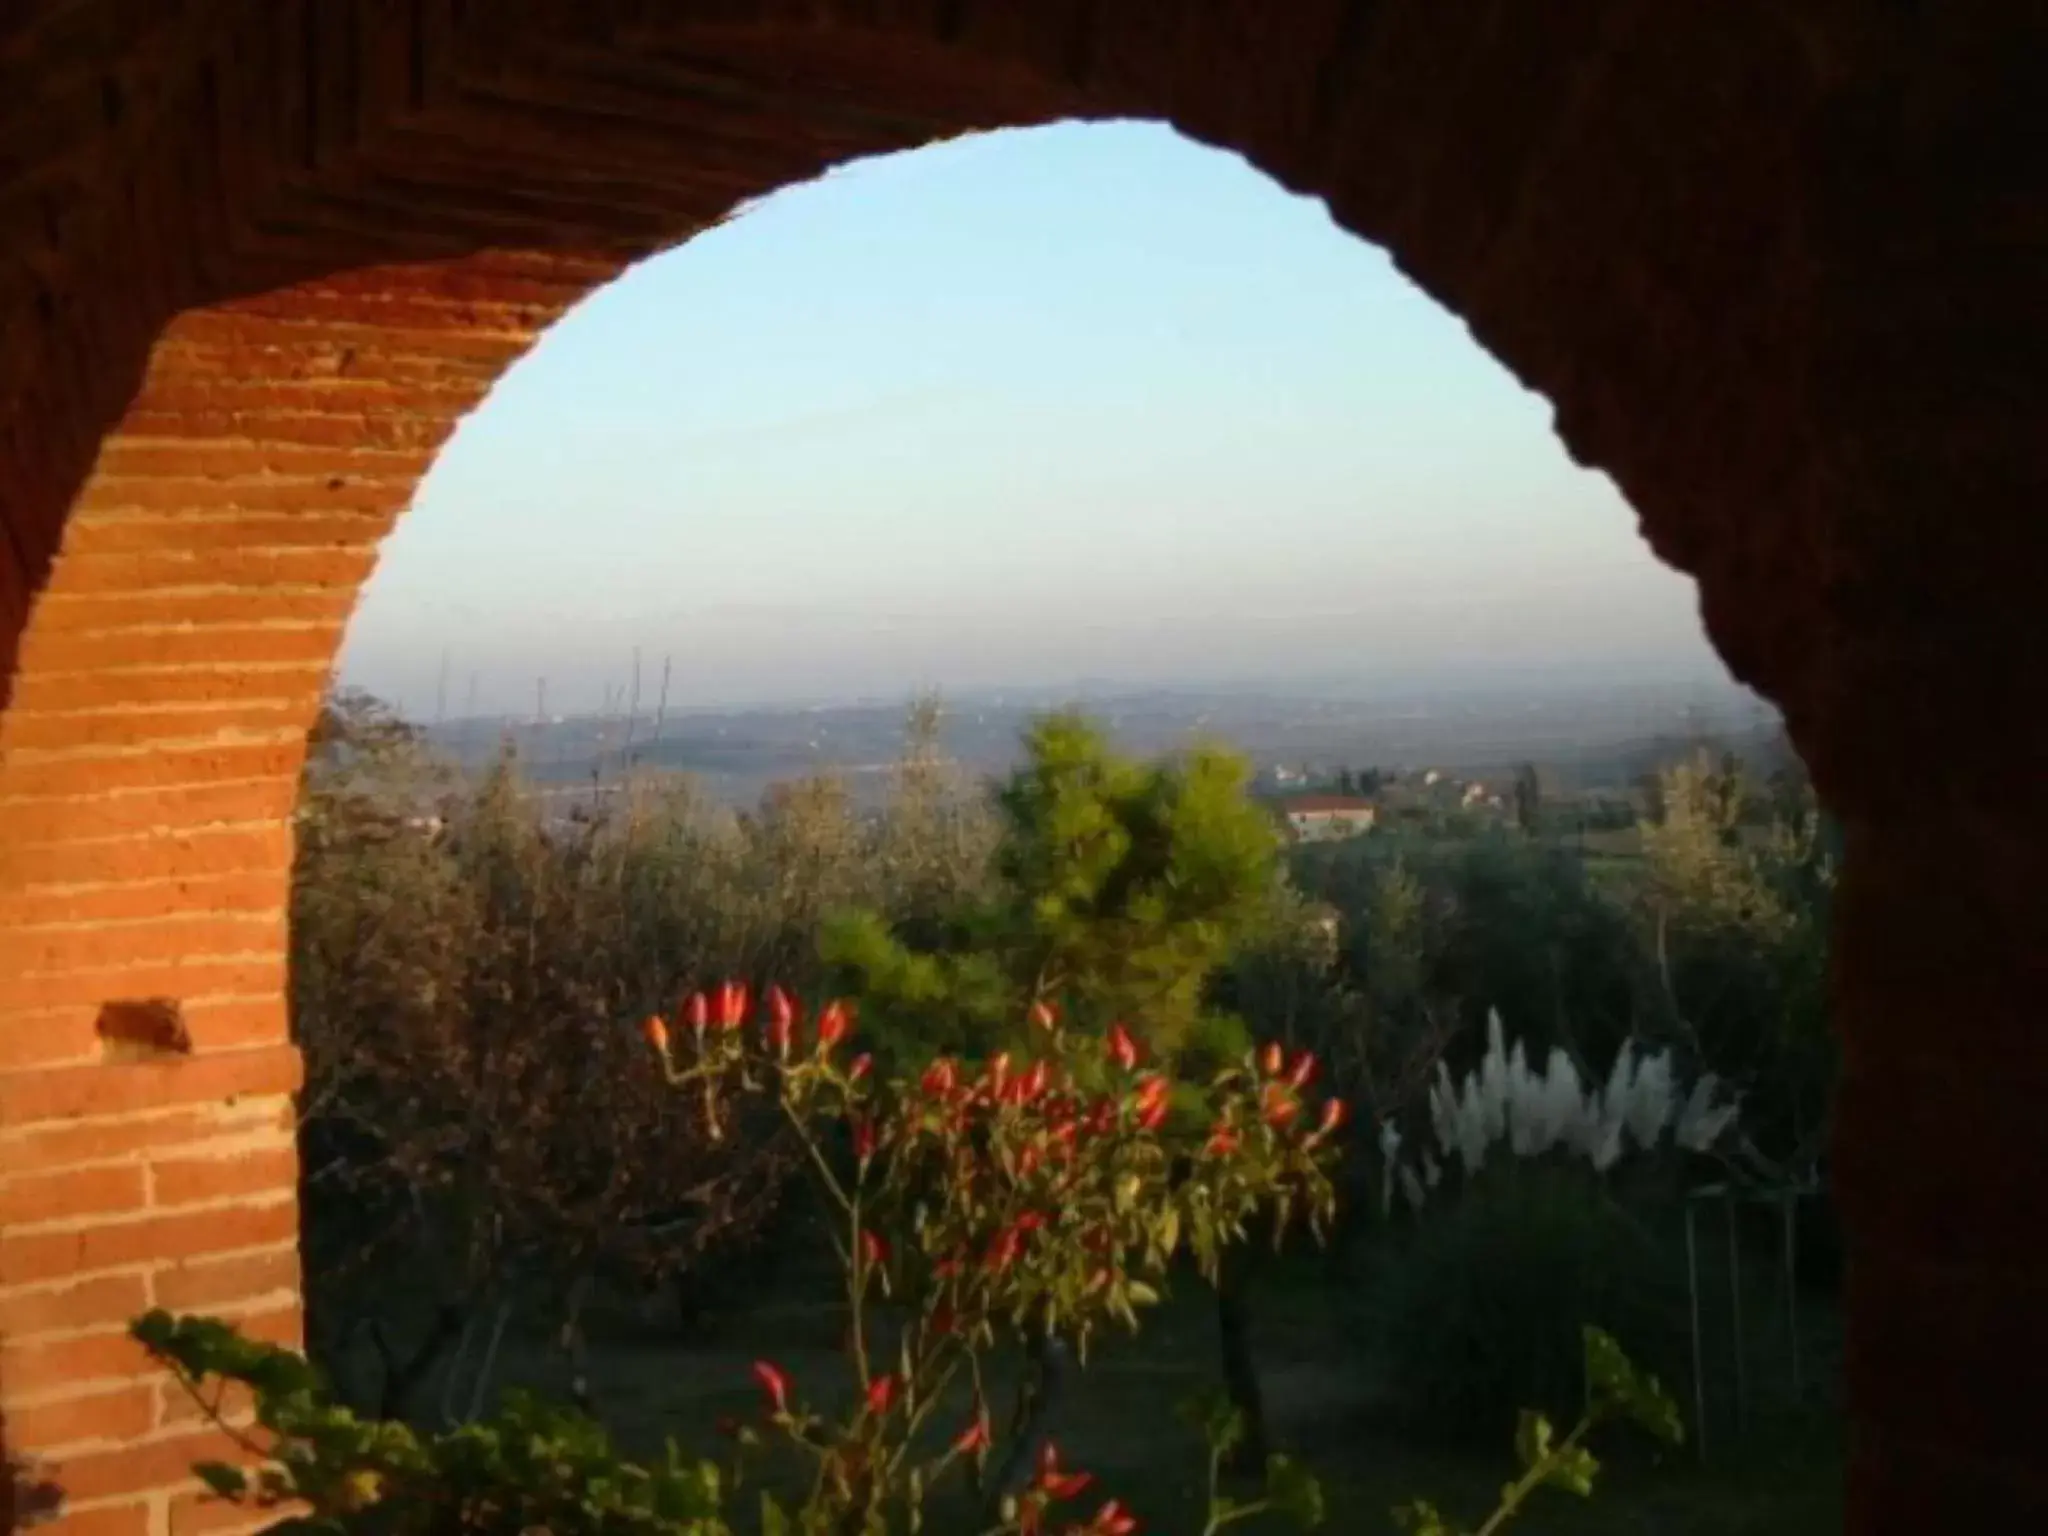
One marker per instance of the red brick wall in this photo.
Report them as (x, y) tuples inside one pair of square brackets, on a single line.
[(148, 773)]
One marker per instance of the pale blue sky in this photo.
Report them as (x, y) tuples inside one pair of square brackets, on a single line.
[(1017, 409)]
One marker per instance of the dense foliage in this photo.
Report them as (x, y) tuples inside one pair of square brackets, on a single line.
[(479, 1136), (1118, 888), (486, 1145), (1053, 1192)]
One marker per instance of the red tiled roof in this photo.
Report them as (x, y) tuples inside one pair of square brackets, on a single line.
[(1313, 803)]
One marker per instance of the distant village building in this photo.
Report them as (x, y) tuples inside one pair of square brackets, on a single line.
[(1319, 818)]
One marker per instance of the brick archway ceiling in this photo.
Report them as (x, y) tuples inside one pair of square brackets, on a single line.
[(1596, 190), (1778, 264)]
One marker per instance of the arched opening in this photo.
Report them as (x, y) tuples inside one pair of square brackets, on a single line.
[(270, 268), (1130, 430)]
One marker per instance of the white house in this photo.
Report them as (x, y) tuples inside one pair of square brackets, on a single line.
[(1318, 818)]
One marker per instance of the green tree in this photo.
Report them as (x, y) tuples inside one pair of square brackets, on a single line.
[(492, 1168), (1735, 919), (1528, 793), (1118, 889)]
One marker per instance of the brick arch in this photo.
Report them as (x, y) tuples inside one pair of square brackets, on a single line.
[(1777, 265)]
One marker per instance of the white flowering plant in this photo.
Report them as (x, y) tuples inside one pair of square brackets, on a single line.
[(1505, 1108), (1530, 1203)]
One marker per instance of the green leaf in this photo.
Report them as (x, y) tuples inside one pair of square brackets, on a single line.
[(225, 1481), (1619, 1387), (1221, 1424), (773, 1521), (1294, 1491), (1421, 1518), (1572, 1468), (1532, 1438)]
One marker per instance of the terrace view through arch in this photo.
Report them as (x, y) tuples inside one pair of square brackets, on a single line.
[(1781, 266)]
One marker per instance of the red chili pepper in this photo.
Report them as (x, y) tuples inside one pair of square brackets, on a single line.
[(1113, 1520), (881, 1393), (655, 1031), (1304, 1070), (975, 1437), (697, 1012), (1055, 1483), (1280, 1107), (940, 1078), (859, 1067), (1272, 1059), (1222, 1142), (833, 1023), (1002, 1253), (732, 1005), (781, 1022), (774, 1383), (872, 1249), (1045, 1015)]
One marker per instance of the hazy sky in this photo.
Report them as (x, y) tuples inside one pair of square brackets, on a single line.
[(1084, 401)]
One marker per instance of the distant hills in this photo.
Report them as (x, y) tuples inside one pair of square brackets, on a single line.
[(1583, 738)]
